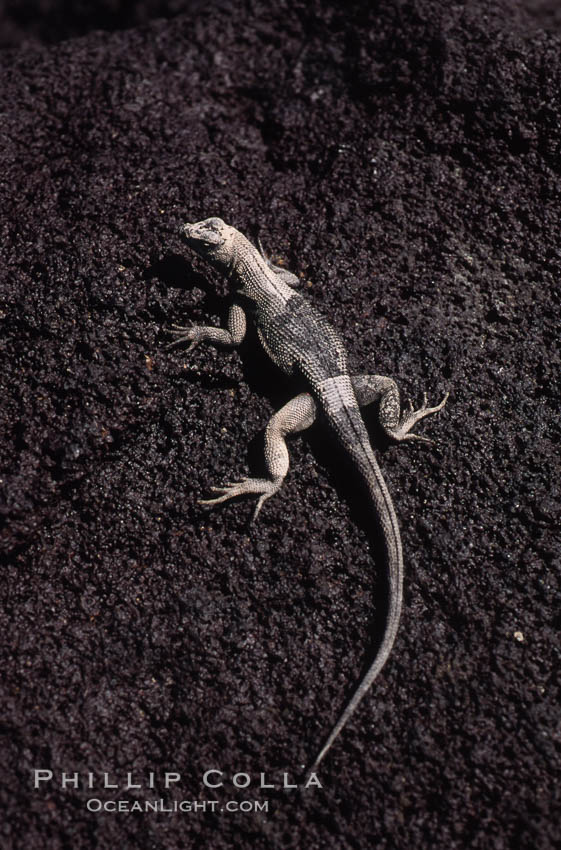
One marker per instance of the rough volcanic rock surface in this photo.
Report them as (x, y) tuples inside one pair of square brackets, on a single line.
[(404, 159)]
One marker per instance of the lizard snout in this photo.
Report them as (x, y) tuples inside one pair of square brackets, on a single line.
[(207, 235), (186, 229)]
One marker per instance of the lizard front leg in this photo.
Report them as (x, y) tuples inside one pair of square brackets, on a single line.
[(295, 416), (217, 336), (397, 425)]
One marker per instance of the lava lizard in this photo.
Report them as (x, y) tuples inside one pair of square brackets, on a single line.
[(302, 343)]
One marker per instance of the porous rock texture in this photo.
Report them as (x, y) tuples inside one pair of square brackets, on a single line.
[(404, 159)]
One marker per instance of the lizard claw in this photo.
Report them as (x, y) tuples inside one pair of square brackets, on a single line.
[(259, 505), (411, 417), (246, 487), (418, 437), (184, 334)]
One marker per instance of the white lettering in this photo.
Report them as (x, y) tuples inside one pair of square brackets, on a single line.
[(108, 784), (208, 783), (69, 779), (313, 780), (130, 783), (286, 783), (171, 777), (41, 776)]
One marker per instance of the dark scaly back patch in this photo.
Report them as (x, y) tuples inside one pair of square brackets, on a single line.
[(299, 336)]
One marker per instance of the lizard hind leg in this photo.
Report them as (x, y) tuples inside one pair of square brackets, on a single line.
[(297, 415), (397, 425)]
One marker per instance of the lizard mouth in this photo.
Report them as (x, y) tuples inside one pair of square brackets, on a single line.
[(208, 234)]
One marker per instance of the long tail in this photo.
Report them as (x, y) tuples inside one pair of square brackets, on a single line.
[(351, 432)]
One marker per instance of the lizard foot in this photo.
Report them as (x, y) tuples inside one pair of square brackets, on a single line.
[(263, 487), (183, 334), (409, 419)]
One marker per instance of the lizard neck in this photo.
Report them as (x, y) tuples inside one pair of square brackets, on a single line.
[(255, 279)]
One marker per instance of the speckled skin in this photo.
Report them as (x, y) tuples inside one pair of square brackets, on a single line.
[(300, 341)]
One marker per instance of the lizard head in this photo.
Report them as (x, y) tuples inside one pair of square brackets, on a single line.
[(211, 238)]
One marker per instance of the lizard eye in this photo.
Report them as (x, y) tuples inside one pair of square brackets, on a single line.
[(214, 224)]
